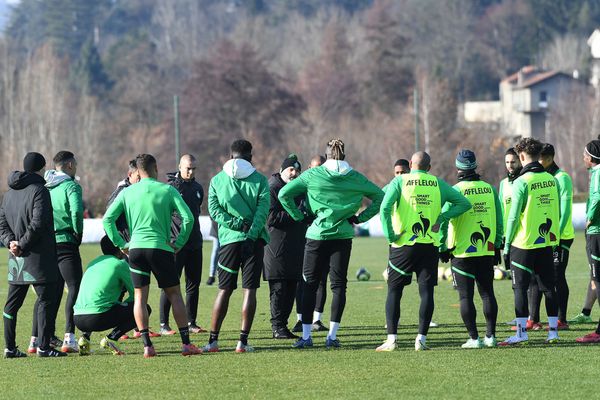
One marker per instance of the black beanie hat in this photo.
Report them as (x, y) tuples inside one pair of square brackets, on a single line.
[(465, 160), (291, 161), (33, 162), (593, 150)]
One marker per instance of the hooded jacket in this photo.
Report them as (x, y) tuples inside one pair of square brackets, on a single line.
[(237, 195), (334, 193), (285, 252), (193, 195), (67, 206), (26, 216)]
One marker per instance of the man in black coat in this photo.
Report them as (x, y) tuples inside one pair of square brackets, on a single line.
[(190, 256), (133, 176), (285, 252), (27, 229)]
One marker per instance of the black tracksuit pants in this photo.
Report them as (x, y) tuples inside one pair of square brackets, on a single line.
[(282, 294), (44, 312)]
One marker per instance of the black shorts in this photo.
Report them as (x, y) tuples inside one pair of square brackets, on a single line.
[(230, 263), (524, 264), (160, 262), (592, 247), (480, 269), (420, 258)]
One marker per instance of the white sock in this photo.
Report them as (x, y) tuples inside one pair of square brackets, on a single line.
[(553, 324), (522, 328), (333, 328), (392, 338), (317, 316), (306, 331), (69, 337), (421, 338), (299, 316)]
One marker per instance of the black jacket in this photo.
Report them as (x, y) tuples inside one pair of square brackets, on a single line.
[(121, 222), (192, 194), (285, 252), (26, 216)]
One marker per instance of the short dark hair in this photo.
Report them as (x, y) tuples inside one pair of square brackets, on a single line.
[(402, 163), (132, 165), (241, 147), (108, 248), (511, 151), (547, 150), (529, 146), (63, 157), (145, 162)]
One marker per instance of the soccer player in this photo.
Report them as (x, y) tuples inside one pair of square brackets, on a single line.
[(238, 200), (474, 242), (190, 256), (411, 214), (513, 169), (98, 306), (321, 298), (334, 193), (285, 251), (133, 177), (148, 206), (67, 206), (561, 252), (401, 166), (591, 159), (532, 231), (27, 230)]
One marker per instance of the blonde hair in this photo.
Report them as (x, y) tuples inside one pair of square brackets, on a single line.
[(335, 149)]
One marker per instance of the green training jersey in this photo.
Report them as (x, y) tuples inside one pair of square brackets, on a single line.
[(478, 232), (334, 193), (105, 278), (505, 194), (565, 192), (67, 206), (534, 216), (148, 207), (592, 206), (413, 204)]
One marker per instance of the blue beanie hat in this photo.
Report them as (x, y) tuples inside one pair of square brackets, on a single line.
[(465, 160)]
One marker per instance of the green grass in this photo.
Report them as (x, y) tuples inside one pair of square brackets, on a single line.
[(355, 371)]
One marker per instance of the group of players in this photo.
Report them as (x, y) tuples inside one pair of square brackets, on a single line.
[(296, 230)]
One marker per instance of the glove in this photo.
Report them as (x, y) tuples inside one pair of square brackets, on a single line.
[(246, 226), (445, 256), (507, 259), (353, 220), (497, 256), (247, 249)]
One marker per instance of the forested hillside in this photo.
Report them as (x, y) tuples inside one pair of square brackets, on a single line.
[(98, 78)]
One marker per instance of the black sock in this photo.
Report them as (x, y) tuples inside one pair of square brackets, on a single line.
[(244, 337), (185, 335), (586, 311), (87, 335), (213, 337), (146, 337), (115, 334)]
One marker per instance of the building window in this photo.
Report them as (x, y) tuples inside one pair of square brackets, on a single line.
[(543, 103)]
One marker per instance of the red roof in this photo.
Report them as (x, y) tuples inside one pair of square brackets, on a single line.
[(533, 75)]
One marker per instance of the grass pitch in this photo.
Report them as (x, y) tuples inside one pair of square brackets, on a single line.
[(356, 371)]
